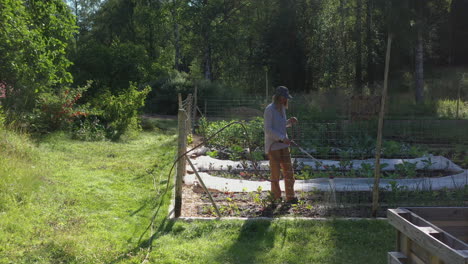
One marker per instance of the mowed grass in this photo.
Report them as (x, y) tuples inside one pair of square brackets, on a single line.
[(278, 241), (67, 201), (92, 201)]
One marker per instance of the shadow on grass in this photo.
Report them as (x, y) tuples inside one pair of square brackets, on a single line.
[(164, 225), (255, 238)]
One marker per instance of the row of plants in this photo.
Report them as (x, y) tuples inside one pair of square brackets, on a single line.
[(320, 203), (345, 169)]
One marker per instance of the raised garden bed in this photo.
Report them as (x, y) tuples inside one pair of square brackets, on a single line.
[(237, 176), (430, 235), (318, 197)]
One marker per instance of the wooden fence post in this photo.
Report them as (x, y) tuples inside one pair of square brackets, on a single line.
[(194, 108), (188, 110), (204, 110), (181, 163), (179, 96), (458, 95)]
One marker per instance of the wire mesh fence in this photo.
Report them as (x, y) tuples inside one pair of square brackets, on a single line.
[(423, 158)]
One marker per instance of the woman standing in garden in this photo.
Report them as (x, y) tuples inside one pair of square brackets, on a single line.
[(277, 143)]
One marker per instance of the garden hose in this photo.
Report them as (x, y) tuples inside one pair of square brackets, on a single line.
[(153, 218), (294, 144)]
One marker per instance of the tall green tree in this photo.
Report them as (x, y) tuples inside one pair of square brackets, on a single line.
[(419, 52), (358, 39), (34, 36)]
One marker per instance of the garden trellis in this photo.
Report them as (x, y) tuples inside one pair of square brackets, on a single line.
[(423, 158)]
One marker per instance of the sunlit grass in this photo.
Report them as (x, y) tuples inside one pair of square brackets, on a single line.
[(92, 202), (279, 241), (450, 109)]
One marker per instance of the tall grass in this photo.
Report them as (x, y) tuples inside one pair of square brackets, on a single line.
[(20, 170), (67, 201)]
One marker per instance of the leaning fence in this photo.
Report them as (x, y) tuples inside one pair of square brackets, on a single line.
[(424, 159)]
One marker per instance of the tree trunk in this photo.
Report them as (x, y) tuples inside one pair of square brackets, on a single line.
[(419, 60), (451, 29), (177, 48), (358, 73), (370, 49), (344, 40), (152, 52), (207, 62)]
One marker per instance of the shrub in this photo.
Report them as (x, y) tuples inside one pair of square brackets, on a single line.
[(120, 112), (56, 111)]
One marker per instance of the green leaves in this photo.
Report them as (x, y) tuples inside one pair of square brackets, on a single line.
[(120, 112), (34, 36)]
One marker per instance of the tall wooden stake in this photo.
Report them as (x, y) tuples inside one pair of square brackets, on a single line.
[(378, 147), (189, 114), (194, 108), (181, 164), (179, 96), (266, 84), (204, 187), (458, 94)]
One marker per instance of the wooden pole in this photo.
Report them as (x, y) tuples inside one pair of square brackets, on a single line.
[(181, 164), (266, 84), (188, 110), (204, 187), (180, 101), (378, 147), (458, 95), (205, 108), (194, 109)]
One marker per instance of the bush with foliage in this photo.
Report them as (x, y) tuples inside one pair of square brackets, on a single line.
[(120, 112), (59, 110), (234, 135)]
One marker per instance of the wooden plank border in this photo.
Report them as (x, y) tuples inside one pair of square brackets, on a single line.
[(426, 235)]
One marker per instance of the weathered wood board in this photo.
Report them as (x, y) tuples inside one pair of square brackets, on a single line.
[(428, 235)]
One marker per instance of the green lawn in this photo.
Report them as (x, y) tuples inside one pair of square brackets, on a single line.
[(66, 201)]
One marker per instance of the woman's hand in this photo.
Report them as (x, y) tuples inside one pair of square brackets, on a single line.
[(292, 120)]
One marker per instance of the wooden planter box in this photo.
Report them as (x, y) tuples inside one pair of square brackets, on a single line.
[(432, 235)]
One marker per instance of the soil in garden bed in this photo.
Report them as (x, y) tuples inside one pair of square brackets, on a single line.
[(196, 203)]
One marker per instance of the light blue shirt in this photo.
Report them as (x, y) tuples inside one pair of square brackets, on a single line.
[(275, 124)]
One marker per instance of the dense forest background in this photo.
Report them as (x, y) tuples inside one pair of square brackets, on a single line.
[(229, 48)]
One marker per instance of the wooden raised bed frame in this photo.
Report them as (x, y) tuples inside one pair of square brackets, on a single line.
[(430, 235)]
